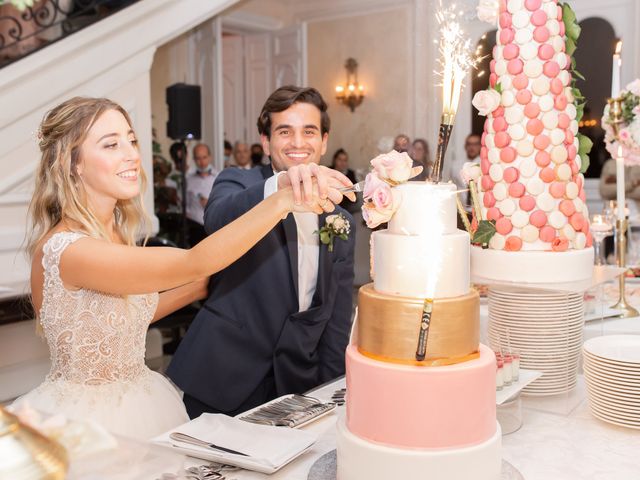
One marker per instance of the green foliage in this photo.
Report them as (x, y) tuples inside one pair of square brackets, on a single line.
[(585, 146), (485, 232), (498, 88)]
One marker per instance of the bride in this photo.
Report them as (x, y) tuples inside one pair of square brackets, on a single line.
[(96, 292)]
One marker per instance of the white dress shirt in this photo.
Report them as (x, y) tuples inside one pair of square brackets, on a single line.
[(308, 251), (197, 187)]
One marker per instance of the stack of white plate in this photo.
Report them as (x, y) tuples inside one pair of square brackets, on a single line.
[(612, 374), (545, 327)]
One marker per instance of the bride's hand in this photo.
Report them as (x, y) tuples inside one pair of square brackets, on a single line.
[(301, 179)]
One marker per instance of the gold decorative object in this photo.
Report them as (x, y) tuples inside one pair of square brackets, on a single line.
[(615, 109), (351, 94), (26, 454)]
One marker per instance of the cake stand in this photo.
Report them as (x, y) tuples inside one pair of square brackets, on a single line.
[(325, 468)]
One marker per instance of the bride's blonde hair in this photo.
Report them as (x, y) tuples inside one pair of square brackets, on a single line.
[(59, 194)]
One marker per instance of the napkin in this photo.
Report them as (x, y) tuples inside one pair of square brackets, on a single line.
[(268, 448)]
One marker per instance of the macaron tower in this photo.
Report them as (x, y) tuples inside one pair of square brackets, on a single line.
[(532, 187)]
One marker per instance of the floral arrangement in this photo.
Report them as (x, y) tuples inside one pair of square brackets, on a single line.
[(334, 226), (628, 137), (480, 230), (380, 200)]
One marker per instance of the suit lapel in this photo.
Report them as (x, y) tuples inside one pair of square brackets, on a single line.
[(325, 265)]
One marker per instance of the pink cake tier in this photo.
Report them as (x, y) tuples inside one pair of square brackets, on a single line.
[(531, 184), (418, 407)]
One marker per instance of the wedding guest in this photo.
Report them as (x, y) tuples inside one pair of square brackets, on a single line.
[(340, 163), (242, 156), (95, 291), (421, 158), (257, 155), (199, 184), (228, 152), (401, 143), (276, 321)]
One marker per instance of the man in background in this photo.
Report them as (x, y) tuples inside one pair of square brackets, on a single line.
[(199, 184), (242, 156)]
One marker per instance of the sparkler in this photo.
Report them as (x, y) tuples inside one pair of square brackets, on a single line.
[(456, 60)]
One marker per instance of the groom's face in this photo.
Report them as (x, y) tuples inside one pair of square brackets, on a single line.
[(296, 137)]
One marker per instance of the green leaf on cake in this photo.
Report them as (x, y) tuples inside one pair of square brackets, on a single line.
[(571, 46), (578, 74), (573, 31), (584, 147), (577, 94), (485, 232), (498, 88), (579, 111)]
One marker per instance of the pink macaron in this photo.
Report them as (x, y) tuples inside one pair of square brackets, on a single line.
[(508, 154), (532, 110), (543, 158), (563, 120), (551, 69), (502, 139), (533, 5), (547, 175), (513, 244), (503, 226), (571, 152), (510, 51), (541, 34), (515, 66), (577, 221), (547, 234), (493, 214), (567, 207), (523, 97), (500, 124), (557, 189), (484, 166), (560, 102), (568, 137), (539, 18), (487, 183), (556, 86), (546, 52), (507, 35), (534, 127), (527, 203), (505, 20), (489, 200), (516, 190), (520, 82), (538, 218), (510, 174), (541, 142)]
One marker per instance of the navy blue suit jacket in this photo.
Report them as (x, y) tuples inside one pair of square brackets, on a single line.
[(250, 325)]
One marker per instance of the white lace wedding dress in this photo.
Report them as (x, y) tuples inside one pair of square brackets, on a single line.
[(97, 346)]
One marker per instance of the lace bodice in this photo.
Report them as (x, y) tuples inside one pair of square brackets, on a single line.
[(94, 338)]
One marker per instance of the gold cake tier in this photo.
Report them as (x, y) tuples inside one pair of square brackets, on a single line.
[(388, 328)]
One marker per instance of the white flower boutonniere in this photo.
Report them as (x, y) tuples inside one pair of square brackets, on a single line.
[(334, 226)]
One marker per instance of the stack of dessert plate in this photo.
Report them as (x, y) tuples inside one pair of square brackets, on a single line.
[(545, 327), (612, 374)]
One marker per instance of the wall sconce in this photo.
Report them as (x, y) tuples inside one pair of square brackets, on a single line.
[(351, 94)]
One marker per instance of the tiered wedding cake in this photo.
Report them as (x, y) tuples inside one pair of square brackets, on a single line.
[(434, 417), (531, 186)]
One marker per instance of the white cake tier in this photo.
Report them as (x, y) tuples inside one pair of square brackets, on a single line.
[(532, 267), (425, 207), (359, 459), (414, 266)]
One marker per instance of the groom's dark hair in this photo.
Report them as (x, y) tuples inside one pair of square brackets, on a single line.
[(286, 96)]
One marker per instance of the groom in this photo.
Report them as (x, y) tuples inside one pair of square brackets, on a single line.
[(277, 321)]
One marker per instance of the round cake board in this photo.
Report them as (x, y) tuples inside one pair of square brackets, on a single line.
[(325, 468)]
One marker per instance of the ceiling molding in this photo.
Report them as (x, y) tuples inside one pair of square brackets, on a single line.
[(313, 11), (248, 22)]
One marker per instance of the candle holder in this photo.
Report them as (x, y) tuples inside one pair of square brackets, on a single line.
[(621, 245)]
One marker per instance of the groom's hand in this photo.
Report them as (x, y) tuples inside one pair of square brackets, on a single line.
[(301, 179)]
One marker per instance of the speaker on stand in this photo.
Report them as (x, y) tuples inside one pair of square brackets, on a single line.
[(184, 125)]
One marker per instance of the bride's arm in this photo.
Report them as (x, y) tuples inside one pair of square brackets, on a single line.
[(179, 297), (123, 270)]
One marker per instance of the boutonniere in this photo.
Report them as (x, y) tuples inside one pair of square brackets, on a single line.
[(334, 226)]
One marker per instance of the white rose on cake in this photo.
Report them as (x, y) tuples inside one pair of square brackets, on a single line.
[(393, 166), (488, 11), (486, 101), (470, 171)]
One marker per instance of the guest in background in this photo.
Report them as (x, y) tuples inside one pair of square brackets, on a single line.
[(421, 158), (228, 152), (472, 147), (340, 163), (401, 143), (258, 157), (199, 184), (242, 156)]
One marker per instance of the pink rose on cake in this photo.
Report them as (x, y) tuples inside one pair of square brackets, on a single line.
[(394, 167), (486, 101), (470, 171), (380, 201)]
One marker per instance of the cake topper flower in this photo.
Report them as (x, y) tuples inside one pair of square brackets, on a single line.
[(334, 226), (380, 201), (486, 101)]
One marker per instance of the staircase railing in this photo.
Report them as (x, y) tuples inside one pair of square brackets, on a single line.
[(42, 22)]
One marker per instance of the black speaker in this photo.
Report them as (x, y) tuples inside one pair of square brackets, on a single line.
[(184, 111)]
